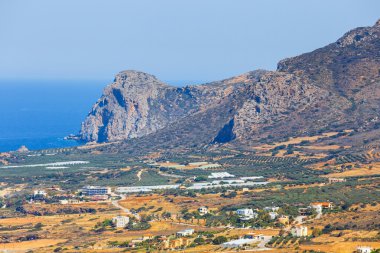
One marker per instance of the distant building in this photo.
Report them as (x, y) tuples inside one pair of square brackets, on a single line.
[(363, 249), (220, 175), (120, 221), (238, 243), (299, 231), (96, 190), (273, 215), (203, 210), (39, 193), (246, 214), (336, 180), (185, 232), (318, 208), (327, 205)]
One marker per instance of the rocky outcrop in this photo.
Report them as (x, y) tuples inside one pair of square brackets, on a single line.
[(331, 88), (137, 104)]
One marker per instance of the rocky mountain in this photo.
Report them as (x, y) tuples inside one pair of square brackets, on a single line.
[(332, 88)]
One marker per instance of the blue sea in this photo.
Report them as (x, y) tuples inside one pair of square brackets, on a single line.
[(39, 114)]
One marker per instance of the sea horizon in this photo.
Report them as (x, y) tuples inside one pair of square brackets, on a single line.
[(40, 113)]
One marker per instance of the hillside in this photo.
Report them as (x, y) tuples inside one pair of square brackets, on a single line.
[(333, 88)]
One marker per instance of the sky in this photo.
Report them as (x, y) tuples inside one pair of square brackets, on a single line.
[(176, 40)]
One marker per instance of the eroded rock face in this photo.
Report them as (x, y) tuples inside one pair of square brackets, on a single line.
[(137, 104), (334, 87)]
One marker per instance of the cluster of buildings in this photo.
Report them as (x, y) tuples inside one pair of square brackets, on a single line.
[(240, 182)]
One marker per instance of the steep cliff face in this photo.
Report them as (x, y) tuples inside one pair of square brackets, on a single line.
[(331, 88), (137, 104)]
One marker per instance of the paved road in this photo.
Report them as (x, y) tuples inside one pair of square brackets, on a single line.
[(116, 204)]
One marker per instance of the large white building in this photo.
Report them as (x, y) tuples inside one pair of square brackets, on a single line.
[(96, 190), (299, 231), (120, 221), (246, 214)]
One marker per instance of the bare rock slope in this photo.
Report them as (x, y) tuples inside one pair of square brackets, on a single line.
[(332, 88)]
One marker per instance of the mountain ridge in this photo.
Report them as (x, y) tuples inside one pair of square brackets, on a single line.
[(334, 87)]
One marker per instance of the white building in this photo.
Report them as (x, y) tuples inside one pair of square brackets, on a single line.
[(238, 243), (363, 249), (246, 214), (273, 215), (220, 175), (185, 232), (39, 193), (120, 221), (299, 231), (203, 210), (96, 190)]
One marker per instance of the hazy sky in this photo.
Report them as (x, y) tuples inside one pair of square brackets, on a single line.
[(191, 40)]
